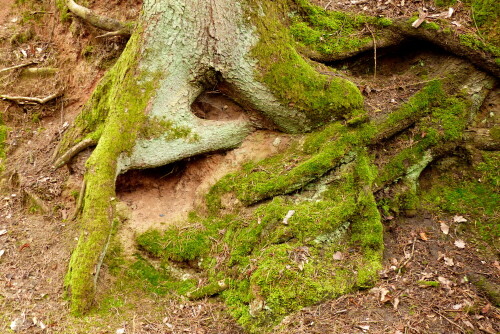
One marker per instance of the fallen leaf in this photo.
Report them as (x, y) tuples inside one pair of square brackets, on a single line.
[(363, 327), (468, 324), (459, 219), (120, 331), (423, 236), (446, 283), (496, 264), (445, 228), (26, 245), (383, 295), (457, 306), (449, 261), (395, 304), (338, 256), (486, 308), (460, 243), (2, 252), (2, 232)]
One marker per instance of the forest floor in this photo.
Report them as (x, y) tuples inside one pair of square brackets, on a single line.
[(429, 258)]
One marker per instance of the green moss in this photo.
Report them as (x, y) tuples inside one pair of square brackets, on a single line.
[(474, 42), (328, 32), (476, 194), (445, 3), (485, 12), (273, 266), (431, 26), (434, 284), (295, 81), (116, 102)]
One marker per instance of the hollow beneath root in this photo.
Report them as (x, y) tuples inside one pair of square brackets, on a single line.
[(157, 198)]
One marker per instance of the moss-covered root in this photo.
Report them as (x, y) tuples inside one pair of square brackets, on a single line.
[(490, 289), (208, 290), (118, 135), (316, 98)]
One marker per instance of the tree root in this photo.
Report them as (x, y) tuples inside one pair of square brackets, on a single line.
[(208, 290), (31, 100), (490, 289), (79, 202), (451, 43), (66, 157), (98, 21)]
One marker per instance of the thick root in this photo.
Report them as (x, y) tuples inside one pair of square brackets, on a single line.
[(98, 21)]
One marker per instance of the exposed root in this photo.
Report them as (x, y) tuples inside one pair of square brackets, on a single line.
[(98, 21), (79, 202), (66, 157), (208, 290), (451, 43), (31, 100)]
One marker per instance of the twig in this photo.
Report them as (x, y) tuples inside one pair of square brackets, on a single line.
[(328, 5), (450, 321), (407, 85), (31, 100), (374, 51), (17, 66), (411, 255)]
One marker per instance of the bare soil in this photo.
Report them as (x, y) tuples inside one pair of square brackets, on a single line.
[(39, 238)]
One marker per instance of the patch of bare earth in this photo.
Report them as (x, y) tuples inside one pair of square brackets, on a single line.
[(422, 289)]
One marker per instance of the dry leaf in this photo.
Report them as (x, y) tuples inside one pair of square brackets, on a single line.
[(445, 283), (2, 232), (459, 219), (120, 331), (445, 228), (396, 303), (486, 308), (383, 295), (338, 256), (449, 261), (423, 236), (496, 264), (2, 252), (468, 323), (460, 243)]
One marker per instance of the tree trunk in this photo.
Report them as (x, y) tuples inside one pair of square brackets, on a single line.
[(140, 117)]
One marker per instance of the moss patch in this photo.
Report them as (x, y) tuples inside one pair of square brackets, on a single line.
[(274, 265), (292, 79)]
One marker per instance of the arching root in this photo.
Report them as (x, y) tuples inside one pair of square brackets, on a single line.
[(66, 157)]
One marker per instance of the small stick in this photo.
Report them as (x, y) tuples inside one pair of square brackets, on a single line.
[(31, 100), (328, 5), (16, 67), (450, 321), (374, 52)]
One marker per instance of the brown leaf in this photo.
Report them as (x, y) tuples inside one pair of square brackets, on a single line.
[(338, 256), (486, 308), (423, 236), (460, 243), (445, 228)]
